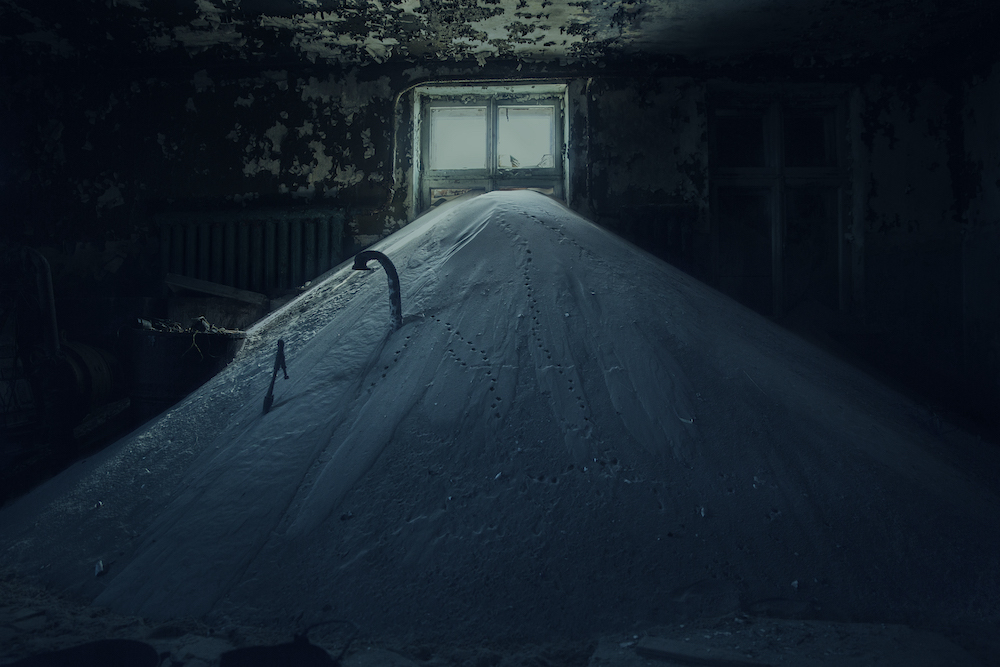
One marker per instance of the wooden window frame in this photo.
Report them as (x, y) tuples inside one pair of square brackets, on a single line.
[(491, 177), (774, 175)]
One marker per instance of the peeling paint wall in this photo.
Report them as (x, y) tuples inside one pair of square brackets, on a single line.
[(99, 162), (289, 134), (99, 159), (981, 243), (118, 151), (647, 176), (92, 159), (366, 32), (913, 275), (103, 155)]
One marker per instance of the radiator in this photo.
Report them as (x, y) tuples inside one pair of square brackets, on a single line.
[(264, 251)]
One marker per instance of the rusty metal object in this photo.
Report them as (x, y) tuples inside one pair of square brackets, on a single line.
[(395, 306), (279, 362)]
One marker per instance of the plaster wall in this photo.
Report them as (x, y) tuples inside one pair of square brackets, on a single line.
[(89, 164), (647, 167), (89, 160), (106, 152), (981, 242), (912, 245), (97, 158), (92, 161)]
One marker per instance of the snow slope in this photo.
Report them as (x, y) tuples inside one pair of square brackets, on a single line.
[(566, 436)]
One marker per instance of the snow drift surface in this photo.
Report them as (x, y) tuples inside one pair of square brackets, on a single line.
[(566, 435)]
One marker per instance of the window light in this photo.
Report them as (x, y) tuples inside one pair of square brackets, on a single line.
[(524, 136), (458, 137)]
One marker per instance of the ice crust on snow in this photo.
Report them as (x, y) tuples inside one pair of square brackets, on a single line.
[(565, 435)]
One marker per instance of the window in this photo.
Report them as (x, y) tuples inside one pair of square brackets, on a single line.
[(457, 138), (488, 138), (525, 137), (739, 140), (777, 195)]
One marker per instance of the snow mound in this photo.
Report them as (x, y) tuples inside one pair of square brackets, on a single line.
[(565, 436)]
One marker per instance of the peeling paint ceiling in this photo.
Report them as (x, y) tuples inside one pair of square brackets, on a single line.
[(376, 31)]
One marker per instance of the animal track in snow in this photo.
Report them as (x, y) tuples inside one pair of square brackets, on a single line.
[(464, 352)]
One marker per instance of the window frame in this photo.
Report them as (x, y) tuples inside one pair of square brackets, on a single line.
[(492, 176), (428, 136), (777, 177)]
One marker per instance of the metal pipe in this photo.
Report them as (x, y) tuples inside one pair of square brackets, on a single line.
[(296, 243), (46, 300), (204, 252), (395, 305)]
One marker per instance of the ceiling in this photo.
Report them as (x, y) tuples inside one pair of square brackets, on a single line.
[(377, 31)]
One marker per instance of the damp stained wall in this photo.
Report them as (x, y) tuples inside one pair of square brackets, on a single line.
[(91, 162), (108, 152), (647, 167), (912, 230), (981, 238), (926, 169), (92, 159)]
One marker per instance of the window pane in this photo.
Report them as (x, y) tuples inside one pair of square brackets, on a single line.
[(812, 247), (807, 140), (525, 137), (745, 216), (739, 141), (458, 138)]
